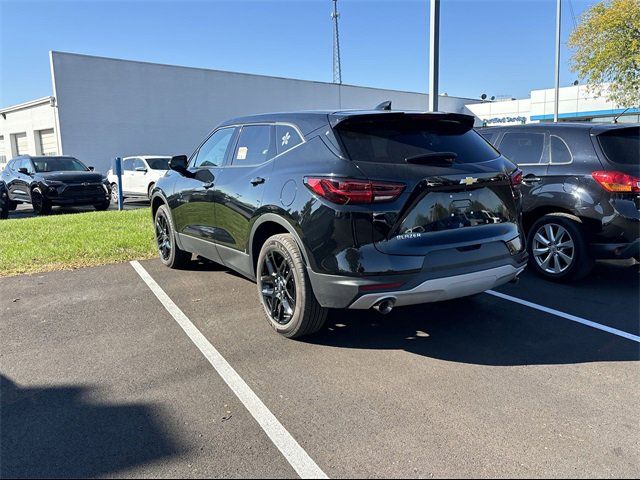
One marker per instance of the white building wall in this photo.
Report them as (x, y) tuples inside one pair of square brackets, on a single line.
[(508, 112), (110, 107), (29, 118)]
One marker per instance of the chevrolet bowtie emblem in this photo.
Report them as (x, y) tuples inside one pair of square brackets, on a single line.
[(468, 181)]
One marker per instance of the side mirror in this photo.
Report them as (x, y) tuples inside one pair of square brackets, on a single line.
[(23, 171), (91, 169), (179, 163)]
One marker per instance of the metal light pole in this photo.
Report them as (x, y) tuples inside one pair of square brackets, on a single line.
[(434, 54), (557, 89)]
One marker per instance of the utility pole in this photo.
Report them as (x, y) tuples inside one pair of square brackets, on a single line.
[(557, 89), (337, 68), (434, 54)]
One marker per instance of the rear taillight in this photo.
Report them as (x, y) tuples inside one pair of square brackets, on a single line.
[(516, 177), (617, 181), (344, 191)]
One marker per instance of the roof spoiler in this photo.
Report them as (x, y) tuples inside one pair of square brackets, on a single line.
[(465, 121)]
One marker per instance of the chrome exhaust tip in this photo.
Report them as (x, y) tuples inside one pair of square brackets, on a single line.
[(384, 306)]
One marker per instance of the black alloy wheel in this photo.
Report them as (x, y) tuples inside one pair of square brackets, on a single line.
[(278, 287), (39, 202), (163, 237)]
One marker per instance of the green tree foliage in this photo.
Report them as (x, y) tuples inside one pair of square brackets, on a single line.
[(607, 50)]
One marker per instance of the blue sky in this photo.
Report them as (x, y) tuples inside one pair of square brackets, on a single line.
[(498, 47)]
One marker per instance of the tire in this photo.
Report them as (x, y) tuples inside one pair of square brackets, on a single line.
[(170, 254), (4, 203), (41, 204), (114, 193), (282, 279), (12, 205), (566, 257), (102, 206), (149, 190)]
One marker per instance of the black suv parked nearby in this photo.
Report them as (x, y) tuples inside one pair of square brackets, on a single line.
[(345, 210), (581, 192), (47, 181)]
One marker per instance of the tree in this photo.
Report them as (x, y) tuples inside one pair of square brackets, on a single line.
[(607, 50)]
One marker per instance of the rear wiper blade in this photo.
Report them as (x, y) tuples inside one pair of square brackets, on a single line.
[(433, 157)]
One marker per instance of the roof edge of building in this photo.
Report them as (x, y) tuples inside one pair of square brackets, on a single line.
[(27, 104)]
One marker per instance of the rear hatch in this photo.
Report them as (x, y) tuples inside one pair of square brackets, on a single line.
[(458, 191)]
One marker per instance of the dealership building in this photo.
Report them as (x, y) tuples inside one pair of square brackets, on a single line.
[(101, 108), (576, 104)]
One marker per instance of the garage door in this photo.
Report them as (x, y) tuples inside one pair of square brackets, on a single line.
[(48, 142), (22, 147)]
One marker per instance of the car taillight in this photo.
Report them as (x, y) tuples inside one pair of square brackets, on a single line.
[(617, 181), (344, 190), (516, 177)]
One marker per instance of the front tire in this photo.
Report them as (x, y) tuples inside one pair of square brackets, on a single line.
[(149, 190), (170, 254), (40, 203), (285, 291), (558, 249), (102, 206)]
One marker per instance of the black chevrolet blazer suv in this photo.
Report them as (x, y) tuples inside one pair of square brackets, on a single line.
[(46, 181), (348, 209)]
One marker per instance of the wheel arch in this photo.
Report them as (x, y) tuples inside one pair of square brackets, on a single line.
[(529, 218), (267, 225)]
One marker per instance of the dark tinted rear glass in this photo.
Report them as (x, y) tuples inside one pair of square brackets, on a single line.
[(393, 141), (621, 145), (158, 163)]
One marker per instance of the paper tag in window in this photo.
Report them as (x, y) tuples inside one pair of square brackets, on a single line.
[(242, 153)]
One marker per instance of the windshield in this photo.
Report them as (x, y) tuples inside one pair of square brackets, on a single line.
[(621, 145), (393, 141), (58, 164), (158, 163)]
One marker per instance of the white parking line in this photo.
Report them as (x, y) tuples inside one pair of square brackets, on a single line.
[(301, 462), (567, 316)]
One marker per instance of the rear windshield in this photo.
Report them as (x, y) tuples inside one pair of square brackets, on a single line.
[(58, 164), (158, 163), (621, 145), (393, 141)]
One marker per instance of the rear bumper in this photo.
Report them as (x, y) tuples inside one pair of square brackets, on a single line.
[(445, 288), (335, 291)]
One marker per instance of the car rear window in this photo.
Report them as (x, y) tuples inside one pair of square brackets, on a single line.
[(393, 141), (621, 145)]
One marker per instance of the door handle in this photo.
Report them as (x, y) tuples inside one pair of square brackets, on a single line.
[(257, 181), (208, 185)]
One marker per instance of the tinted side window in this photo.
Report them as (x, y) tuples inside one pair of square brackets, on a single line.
[(523, 147), (255, 145), (127, 164), (560, 152), (213, 152), (287, 137)]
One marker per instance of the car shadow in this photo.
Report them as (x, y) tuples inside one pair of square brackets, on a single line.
[(25, 211), (56, 432), (479, 330)]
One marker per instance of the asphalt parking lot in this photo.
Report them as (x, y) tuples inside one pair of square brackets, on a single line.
[(99, 379)]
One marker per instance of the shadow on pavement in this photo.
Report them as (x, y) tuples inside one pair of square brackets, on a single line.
[(477, 330), (54, 432), (25, 211)]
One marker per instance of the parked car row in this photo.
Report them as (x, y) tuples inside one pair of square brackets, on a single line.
[(48, 181)]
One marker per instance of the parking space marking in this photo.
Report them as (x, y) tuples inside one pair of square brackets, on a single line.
[(297, 457), (573, 318)]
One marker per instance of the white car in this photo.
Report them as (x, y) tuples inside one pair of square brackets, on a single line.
[(139, 175)]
